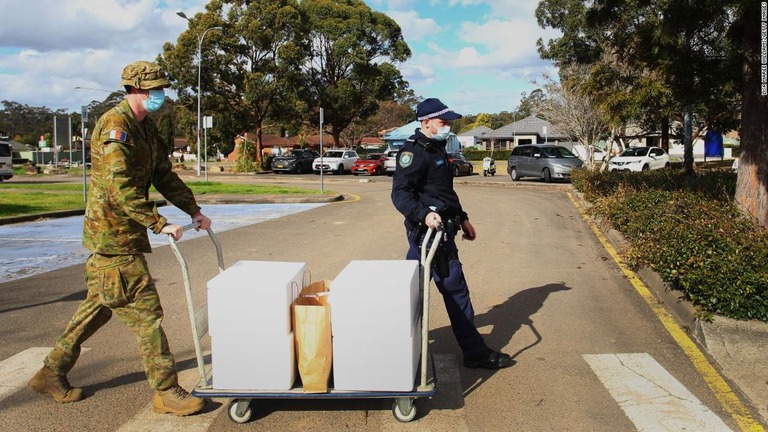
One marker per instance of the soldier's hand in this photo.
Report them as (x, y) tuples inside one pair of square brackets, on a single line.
[(205, 223), (433, 220), (175, 230)]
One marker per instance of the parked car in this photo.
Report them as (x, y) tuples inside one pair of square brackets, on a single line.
[(640, 159), (460, 164), (297, 161), (6, 161), (545, 161), (371, 164), (391, 163), (337, 160)]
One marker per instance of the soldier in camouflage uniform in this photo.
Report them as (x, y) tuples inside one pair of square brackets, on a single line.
[(128, 157)]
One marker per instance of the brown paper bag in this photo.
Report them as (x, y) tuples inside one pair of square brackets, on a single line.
[(312, 334)]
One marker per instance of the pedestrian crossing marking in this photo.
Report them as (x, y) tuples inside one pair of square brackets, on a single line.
[(714, 380), (19, 368), (650, 396), (147, 419)]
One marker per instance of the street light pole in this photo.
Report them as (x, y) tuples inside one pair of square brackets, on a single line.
[(101, 90), (199, 74)]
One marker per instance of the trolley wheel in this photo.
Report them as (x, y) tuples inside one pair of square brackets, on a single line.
[(404, 409), (240, 410)]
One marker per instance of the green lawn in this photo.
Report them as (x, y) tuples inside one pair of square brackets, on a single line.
[(22, 199), (23, 203)]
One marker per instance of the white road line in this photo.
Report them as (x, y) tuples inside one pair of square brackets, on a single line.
[(147, 419), (19, 368), (650, 396)]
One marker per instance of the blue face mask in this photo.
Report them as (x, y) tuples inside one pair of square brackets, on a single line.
[(442, 133), (155, 100)]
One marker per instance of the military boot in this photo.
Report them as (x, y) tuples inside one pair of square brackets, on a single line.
[(176, 401), (46, 381)]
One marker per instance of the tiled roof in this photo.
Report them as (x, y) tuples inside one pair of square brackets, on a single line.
[(531, 125), (478, 131)]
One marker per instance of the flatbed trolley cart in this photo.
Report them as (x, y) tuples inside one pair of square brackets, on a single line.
[(404, 406)]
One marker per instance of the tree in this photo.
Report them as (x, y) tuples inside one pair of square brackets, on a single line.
[(670, 57), (752, 182), (251, 77), (482, 119), (26, 123), (574, 111), (352, 65), (529, 102), (389, 114)]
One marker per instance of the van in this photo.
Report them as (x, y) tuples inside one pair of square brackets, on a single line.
[(6, 161), (545, 161)]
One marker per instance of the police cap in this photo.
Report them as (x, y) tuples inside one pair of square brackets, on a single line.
[(433, 108)]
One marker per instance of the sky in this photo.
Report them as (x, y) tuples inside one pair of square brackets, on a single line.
[(477, 56)]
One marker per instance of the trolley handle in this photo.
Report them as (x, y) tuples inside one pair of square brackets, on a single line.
[(211, 234), (188, 227), (426, 265), (427, 253), (198, 319)]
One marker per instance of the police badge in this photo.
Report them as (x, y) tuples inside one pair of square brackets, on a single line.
[(405, 159)]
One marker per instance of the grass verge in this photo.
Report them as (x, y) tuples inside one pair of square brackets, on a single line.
[(25, 199)]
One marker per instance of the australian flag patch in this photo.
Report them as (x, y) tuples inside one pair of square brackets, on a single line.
[(118, 134)]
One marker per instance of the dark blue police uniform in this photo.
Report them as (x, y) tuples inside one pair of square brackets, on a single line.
[(423, 182)]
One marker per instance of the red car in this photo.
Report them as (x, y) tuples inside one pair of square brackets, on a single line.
[(372, 164)]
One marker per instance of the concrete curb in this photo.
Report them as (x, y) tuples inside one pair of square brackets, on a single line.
[(737, 347), (201, 199)]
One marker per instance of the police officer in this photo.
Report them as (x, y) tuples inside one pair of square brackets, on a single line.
[(128, 157), (422, 190)]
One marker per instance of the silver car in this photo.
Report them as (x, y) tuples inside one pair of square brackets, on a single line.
[(545, 161)]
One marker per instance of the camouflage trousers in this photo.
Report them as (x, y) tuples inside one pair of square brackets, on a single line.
[(119, 284)]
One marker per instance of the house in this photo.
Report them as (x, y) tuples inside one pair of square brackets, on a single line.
[(530, 130), (472, 137), (275, 144)]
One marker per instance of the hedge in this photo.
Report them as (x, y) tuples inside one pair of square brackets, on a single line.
[(690, 232)]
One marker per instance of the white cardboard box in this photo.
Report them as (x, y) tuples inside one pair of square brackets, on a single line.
[(376, 361), (253, 362), (374, 294), (249, 315), (254, 296)]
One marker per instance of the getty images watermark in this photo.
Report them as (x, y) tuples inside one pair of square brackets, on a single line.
[(764, 48)]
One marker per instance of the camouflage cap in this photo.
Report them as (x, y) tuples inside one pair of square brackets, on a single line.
[(144, 75)]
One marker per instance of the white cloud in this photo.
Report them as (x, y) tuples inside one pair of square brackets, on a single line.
[(395, 5), (504, 44), (50, 46), (413, 27)]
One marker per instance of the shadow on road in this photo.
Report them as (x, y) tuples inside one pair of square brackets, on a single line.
[(506, 319), (75, 296)]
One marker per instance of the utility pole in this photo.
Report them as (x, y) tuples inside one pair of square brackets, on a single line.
[(199, 73)]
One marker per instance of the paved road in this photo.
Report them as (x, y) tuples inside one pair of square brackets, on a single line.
[(591, 354)]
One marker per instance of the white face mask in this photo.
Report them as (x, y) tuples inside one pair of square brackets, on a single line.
[(442, 133)]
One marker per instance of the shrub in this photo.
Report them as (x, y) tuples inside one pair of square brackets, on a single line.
[(719, 185), (693, 235)]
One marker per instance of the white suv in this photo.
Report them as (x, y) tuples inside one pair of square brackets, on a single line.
[(336, 160), (391, 163), (640, 159)]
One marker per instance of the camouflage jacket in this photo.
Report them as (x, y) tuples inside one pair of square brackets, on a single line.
[(128, 157)]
